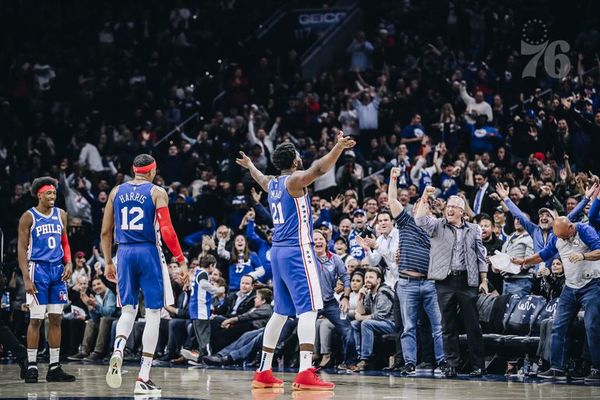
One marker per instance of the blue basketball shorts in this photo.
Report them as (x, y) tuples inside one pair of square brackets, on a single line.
[(46, 278), (296, 286), (140, 267)]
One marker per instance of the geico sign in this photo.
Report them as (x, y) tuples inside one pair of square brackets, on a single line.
[(321, 18)]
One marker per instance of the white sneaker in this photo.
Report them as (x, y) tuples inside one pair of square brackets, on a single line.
[(147, 388), (113, 376), (191, 355)]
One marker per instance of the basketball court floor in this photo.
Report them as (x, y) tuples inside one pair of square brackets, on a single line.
[(189, 383)]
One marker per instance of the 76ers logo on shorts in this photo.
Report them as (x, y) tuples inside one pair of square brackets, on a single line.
[(62, 296)]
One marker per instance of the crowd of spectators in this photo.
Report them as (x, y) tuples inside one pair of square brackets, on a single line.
[(433, 99)]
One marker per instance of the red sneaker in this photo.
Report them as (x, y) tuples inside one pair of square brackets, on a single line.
[(309, 380), (265, 379)]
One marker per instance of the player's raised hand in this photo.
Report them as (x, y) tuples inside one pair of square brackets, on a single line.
[(110, 271), (244, 160), (67, 271), (345, 142)]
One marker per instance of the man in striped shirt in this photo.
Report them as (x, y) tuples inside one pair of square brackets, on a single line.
[(413, 289)]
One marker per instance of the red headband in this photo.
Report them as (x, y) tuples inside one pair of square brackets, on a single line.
[(45, 188), (145, 169)]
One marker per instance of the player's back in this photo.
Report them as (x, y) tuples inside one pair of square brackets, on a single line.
[(200, 299), (45, 236), (135, 214), (292, 216)]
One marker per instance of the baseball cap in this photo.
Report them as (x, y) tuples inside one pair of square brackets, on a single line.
[(547, 210), (350, 153), (80, 254), (358, 211), (326, 224), (343, 239), (540, 156)]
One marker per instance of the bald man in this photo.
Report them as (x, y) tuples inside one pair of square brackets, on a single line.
[(579, 248)]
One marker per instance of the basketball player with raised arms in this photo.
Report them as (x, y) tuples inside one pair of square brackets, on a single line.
[(43, 247), (138, 214), (295, 277)]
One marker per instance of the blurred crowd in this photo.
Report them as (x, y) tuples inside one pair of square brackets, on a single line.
[(434, 91)]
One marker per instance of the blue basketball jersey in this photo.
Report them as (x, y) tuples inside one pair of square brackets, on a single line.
[(200, 299), (292, 217), (135, 214), (45, 235)]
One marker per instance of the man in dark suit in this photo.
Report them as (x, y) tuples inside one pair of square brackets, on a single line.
[(237, 303), (480, 196)]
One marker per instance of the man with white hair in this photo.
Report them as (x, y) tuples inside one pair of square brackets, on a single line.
[(579, 248), (457, 264)]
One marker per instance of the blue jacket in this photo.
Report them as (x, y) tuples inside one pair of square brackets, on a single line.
[(105, 307), (539, 241), (594, 215), (263, 249), (587, 234), (331, 269)]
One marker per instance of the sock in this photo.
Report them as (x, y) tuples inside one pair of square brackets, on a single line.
[(307, 328), (124, 327), (149, 341), (120, 343), (54, 355), (270, 339), (305, 360), (32, 358), (145, 368)]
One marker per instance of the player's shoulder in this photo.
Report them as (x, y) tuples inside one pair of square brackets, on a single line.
[(158, 189), (27, 216)]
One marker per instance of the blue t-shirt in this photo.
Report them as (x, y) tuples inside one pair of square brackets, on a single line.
[(411, 132), (241, 267)]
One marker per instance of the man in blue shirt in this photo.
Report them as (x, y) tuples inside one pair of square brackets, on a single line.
[(412, 135), (579, 248), (413, 288)]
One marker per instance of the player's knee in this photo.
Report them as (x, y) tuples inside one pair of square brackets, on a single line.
[(55, 310), (37, 313), (129, 310), (152, 313)]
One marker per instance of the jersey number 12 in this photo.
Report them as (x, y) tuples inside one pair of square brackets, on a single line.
[(132, 224)]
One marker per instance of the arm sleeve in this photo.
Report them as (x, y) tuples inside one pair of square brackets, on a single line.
[(518, 214), (64, 242), (209, 287), (481, 253), (259, 270), (253, 238), (465, 96), (168, 233), (251, 135), (548, 252), (374, 257), (589, 236), (342, 271), (221, 251), (594, 214), (263, 214), (574, 215), (427, 223)]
